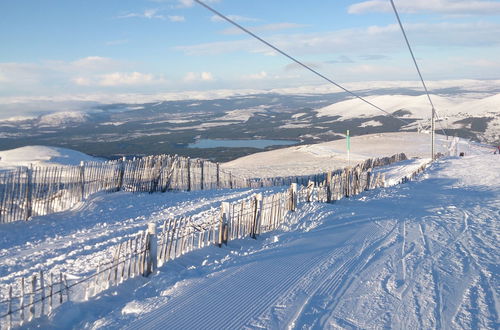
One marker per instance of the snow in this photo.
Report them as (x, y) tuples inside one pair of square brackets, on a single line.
[(62, 118), (316, 158), (418, 255), (371, 123), (243, 115), (42, 156), (418, 106), (449, 108)]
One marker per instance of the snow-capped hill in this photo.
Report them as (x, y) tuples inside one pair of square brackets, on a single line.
[(472, 111), (42, 156), (62, 118), (418, 106)]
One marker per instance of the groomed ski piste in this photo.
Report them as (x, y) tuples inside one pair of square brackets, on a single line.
[(423, 254)]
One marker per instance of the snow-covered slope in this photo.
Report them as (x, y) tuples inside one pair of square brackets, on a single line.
[(418, 255), (418, 106), (451, 109), (315, 158), (42, 156)]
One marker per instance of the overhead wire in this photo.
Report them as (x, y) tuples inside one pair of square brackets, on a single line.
[(416, 65), (296, 60)]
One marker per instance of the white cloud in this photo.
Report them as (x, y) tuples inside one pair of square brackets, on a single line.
[(92, 63), (127, 79), (236, 18), (82, 81), (198, 76), (382, 39), (453, 7), (190, 3), (176, 18), (265, 28), (147, 13), (116, 79), (26, 74), (186, 3), (256, 76)]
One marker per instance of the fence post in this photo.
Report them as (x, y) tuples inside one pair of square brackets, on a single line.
[(293, 197), (310, 189), (202, 167), (347, 182), (29, 194), (218, 175), (32, 310), (82, 180), (256, 215), (188, 174), (42, 298), (329, 187), (152, 262), (121, 174), (224, 220)]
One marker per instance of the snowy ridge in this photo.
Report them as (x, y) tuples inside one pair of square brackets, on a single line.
[(42, 156)]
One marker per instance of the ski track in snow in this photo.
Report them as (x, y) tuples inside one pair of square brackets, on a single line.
[(418, 255)]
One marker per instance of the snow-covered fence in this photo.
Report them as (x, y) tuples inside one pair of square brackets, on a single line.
[(343, 183), (27, 192), (39, 294), (350, 182)]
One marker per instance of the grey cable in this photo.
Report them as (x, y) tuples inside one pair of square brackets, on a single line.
[(296, 61), (415, 62)]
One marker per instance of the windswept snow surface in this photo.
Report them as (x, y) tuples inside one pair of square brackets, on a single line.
[(419, 255), (322, 157), (42, 156)]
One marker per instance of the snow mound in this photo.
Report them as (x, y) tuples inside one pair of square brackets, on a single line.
[(62, 118), (42, 156)]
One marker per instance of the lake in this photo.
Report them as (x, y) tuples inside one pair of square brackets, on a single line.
[(256, 143)]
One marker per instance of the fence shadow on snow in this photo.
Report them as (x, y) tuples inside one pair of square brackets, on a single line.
[(39, 294)]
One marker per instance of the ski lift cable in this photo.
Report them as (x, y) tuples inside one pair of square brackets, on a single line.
[(416, 65), (296, 60)]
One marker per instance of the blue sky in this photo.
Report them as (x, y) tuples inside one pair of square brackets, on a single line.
[(53, 48)]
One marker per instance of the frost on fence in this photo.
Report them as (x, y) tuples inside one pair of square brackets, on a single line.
[(27, 192), (38, 295)]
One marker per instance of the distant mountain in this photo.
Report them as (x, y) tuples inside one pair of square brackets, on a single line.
[(469, 109)]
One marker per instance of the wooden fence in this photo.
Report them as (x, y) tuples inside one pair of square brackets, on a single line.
[(39, 294), (27, 192)]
